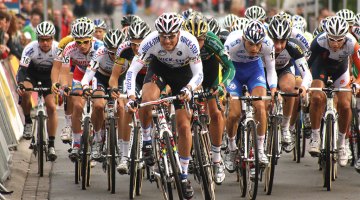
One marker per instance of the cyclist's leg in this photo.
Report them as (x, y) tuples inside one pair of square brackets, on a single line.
[(298, 81), (124, 120), (78, 105), (52, 123), (26, 106)]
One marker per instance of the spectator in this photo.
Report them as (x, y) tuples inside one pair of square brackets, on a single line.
[(3, 7), (14, 42), (80, 9), (109, 7), (57, 23), (35, 18), (129, 7), (26, 7), (38, 4), (4, 26), (323, 13), (66, 24)]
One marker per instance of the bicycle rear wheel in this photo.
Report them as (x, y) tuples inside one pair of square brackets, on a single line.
[(85, 157), (40, 142), (252, 164), (298, 133), (173, 163), (134, 161), (272, 148), (162, 183)]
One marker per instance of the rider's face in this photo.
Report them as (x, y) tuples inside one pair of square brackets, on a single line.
[(252, 48), (336, 43), (135, 44), (169, 41), (279, 45), (84, 44), (45, 43)]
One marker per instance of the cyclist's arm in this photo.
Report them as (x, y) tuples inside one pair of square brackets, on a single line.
[(269, 59), (136, 65), (93, 66), (197, 72), (116, 72), (303, 67), (24, 63)]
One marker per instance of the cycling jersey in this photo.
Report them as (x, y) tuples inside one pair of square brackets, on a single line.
[(355, 30), (124, 55), (62, 44), (293, 52), (325, 62), (186, 54), (238, 54), (214, 47), (299, 35)]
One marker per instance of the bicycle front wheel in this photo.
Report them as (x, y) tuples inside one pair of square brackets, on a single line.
[(134, 157), (85, 157), (327, 158), (252, 164), (298, 132), (272, 150), (40, 142), (112, 137)]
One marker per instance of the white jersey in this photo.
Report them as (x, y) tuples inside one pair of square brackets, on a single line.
[(186, 52), (42, 61), (300, 36), (78, 59), (236, 49)]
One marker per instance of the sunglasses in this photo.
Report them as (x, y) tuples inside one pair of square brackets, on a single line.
[(45, 39), (336, 40), (79, 42), (170, 37), (135, 44)]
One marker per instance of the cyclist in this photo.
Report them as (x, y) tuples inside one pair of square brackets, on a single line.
[(212, 53), (100, 67), (239, 24), (329, 58), (300, 23), (214, 27), (127, 20), (79, 53), (124, 55), (175, 61), (287, 53), (100, 29), (246, 48), (35, 65)]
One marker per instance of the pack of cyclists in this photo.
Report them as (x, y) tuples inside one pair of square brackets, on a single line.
[(186, 52)]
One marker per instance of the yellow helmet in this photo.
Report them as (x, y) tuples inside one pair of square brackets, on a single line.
[(196, 25)]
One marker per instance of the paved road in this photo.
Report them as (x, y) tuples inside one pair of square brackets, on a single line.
[(292, 181)]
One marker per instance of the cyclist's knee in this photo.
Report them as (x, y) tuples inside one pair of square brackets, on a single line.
[(98, 106), (317, 99), (216, 116)]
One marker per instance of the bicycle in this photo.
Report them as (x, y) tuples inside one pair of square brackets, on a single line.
[(354, 137), (248, 167), (40, 136), (328, 134), (300, 132)]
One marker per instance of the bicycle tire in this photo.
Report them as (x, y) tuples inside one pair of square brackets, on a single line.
[(241, 168), (298, 133), (162, 183), (252, 185), (139, 178), (77, 172), (134, 161), (40, 142), (173, 163), (327, 159), (205, 183), (112, 136), (272, 148), (85, 156), (208, 170)]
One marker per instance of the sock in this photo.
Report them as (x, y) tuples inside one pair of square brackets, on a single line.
[(292, 127), (146, 132), (28, 119), (260, 143), (120, 142), (68, 120), (97, 136), (285, 123), (184, 162), (315, 134), (232, 143), (76, 139), (216, 156), (341, 139), (125, 148), (51, 141)]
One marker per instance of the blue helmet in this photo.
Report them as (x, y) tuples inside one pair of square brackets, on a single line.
[(254, 32)]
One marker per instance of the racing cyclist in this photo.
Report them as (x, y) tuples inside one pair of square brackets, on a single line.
[(35, 65), (100, 29), (175, 60)]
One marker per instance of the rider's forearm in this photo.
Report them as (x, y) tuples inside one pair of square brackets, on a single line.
[(55, 71)]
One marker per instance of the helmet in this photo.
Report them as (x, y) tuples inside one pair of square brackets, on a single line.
[(299, 22), (337, 26), (82, 30), (317, 31), (196, 25), (239, 24), (187, 13), (214, 26), (284, 15), (255, 13), (99, 23), (113, 38), (45, 29), (357, 20), (254, 32), (229, 20), (168, 23), (348, 15), (322, 24), (139, 30), (279, 29), (128, 19)]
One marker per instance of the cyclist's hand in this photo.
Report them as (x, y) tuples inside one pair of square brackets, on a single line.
[(185, 94), (219, 90), (55, 88), (131, 106), (86, 91), (273, 90), (66, 90), (302, 91), (114, 92), (20, 89)]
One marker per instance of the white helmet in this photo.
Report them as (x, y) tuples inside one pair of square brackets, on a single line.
[(139, 30), (214, 26), (357, 20), (254, 32), (99, 23), (348, 15), (299, 22), (255, 13), (337, 26), (229, 20), (283, 15), (168, 23), (113, 38), (239, 24), (45, 29), (82, 30), (279, 29)]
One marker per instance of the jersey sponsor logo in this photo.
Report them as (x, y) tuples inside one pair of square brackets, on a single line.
[(232, 86), (261, 79), (179, 53), (162, 52), (232, 44), (128, 80), (302, 40), (342, 81), (29, 52), (190, 44), (150, 44)]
